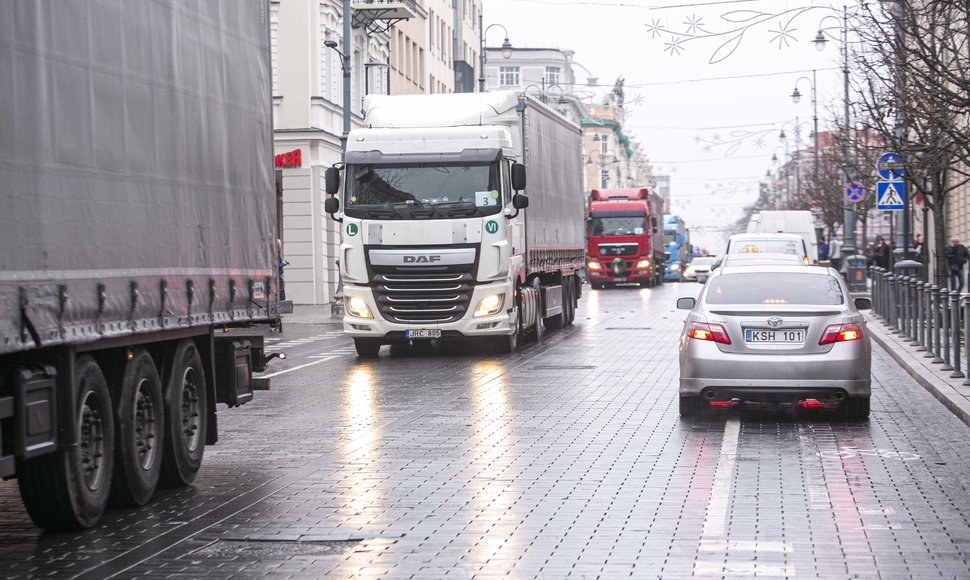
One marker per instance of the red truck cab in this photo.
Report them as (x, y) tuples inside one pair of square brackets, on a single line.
[(625, 241)]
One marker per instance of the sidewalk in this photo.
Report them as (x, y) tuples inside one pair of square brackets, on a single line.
[(306, 314), (950, 391)]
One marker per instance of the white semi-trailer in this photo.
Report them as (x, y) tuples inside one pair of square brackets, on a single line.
[(441, 235)]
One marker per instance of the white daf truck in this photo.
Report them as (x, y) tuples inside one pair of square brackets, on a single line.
[(441, 236)]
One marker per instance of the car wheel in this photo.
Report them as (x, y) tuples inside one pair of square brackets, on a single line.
[(690, 406), (857, 408)]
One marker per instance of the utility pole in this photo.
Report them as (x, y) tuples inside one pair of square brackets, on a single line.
[(345, 58)]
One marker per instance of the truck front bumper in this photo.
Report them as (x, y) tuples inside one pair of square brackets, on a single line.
[(501, 323)]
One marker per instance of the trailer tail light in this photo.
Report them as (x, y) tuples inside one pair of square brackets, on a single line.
[(706, 331), (806, 261), (841, 333)]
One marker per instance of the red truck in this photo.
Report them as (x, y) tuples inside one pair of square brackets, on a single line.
[(625, 237)]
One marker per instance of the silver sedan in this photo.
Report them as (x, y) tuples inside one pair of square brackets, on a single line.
[(776, 335)]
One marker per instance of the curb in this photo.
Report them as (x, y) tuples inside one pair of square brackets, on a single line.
[(928, 377)]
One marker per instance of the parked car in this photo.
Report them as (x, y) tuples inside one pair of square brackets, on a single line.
[(699, 268), (761, 260), (774, 335)]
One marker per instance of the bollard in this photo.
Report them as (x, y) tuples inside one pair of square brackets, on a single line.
[(887, 299), (966, 330), (928, 318), (893, 303), (918, 317), (874, 276), (945, 316), (908, 311), (937, 296), (903, 306), (955, 330)]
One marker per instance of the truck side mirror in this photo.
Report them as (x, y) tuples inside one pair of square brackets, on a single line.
[(332, 181), (331, 205), (520, 201), (518, 176)]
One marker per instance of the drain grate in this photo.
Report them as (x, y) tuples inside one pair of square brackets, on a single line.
[(273, 549)]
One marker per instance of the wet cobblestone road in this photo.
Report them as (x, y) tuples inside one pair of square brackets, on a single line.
[(563, 459)]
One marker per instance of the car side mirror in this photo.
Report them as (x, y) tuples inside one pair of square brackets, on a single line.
[(686, 303), (332, 181), (863, 304), (518, 176), (520, 201)]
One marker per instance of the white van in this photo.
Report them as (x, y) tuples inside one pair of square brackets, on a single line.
[(800, 222)]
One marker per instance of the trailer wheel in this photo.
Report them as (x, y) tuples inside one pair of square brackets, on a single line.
[(140, 422), (185, 411), (69, 489), (367, 347)]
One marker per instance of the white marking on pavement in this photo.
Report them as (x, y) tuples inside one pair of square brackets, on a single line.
[(747, 546), (742, 569), (723, 474), (303, 366)]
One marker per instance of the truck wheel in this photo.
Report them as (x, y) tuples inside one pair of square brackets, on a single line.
[(69, 489), (140, 423), (367, 347), (186, 410), (538, 330), (571, 303)]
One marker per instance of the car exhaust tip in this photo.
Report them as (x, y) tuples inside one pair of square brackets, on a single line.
[(838, 395), (710, 395)]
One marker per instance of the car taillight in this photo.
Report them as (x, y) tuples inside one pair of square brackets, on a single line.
[(841, 333), (705, 331)]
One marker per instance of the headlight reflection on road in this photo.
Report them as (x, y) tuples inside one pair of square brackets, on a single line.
[(361, 499), (492, 455)]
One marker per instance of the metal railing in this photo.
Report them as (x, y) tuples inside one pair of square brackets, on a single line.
[(931, 318)]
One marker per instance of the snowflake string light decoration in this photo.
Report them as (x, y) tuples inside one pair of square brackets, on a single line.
[(637, 100), (694, 24), (674, 46), (655, 28), (784, 36)]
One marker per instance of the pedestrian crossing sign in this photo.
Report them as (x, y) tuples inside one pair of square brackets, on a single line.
[(890, 195)]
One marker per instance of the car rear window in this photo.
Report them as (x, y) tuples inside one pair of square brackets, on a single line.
[(761, 246), (774, 288)]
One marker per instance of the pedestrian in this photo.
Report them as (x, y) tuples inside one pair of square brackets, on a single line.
[(918, 247), (823, 249), (956, 256), (881, 253), (835, 254)]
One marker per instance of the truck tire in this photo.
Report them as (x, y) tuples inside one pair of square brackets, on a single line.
[(538, 330), (367, 347), (69, 489), (140, 426), (186, 412)]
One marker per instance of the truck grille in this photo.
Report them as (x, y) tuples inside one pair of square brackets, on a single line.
[(618, 249), (423, 297)]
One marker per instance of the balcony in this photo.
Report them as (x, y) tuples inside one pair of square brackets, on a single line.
[(379, 15)]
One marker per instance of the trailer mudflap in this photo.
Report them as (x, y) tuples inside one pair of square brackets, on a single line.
[(234, 371), (6, 461), (35, 411)]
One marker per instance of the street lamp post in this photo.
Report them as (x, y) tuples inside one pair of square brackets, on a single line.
[(796, 97), (849, 216), (345, 61), (506, 51)]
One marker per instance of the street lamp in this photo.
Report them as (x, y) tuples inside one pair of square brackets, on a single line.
[(797, 126), (345, 61), (796, 96), (820, 41), (506, 51)]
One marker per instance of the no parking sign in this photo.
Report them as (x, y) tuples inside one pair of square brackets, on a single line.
[(854, 192)]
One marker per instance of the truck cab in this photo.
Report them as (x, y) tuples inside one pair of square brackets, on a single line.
[(623, 234)]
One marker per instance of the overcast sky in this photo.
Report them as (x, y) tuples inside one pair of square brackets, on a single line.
[(680, 104)]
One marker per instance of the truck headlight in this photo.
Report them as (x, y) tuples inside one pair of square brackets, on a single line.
[(357, 307), (644, 265), (490, 305), (674, 267), (595, 266)]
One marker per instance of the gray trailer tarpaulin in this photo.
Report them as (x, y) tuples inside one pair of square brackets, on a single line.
[(136, 177)]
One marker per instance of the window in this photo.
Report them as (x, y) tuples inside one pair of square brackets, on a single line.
[(508, 76), (604, 178), (552, 76), (604, 146)]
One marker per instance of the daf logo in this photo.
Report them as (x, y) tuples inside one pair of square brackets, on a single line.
[(422, 259), (774, 321)]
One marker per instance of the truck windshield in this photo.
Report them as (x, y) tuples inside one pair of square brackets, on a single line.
[(617, 225), (423, 191)]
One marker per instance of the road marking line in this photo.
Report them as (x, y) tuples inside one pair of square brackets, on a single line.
[(717, 506), (303, 366), (763, 546), (742, 569)]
